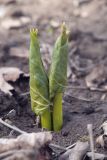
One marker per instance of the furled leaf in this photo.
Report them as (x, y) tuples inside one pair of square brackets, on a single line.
[(39, 89), (58, 77), (58, 71)]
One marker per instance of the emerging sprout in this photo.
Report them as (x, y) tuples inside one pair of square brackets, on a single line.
[(46, 92)]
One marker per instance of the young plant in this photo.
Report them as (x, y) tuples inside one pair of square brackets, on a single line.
[(39, 83), (58, 77), (46, 92)]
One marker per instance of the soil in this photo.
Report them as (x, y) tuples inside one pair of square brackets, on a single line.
[(87, 23)]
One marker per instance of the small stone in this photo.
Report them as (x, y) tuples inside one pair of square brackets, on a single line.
[(11, 114), (54, 24)]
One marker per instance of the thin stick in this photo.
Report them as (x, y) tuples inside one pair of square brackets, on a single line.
[(86, 88), (25, 94), (57, 146), (71, 146), (62, 148), (83, 99), (12, 127), (90, 131), (97, 155)]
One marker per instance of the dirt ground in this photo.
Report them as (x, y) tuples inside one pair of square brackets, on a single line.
[(87, 67)]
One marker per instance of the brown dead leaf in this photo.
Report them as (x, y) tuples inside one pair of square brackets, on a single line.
[(10, 23), (79, 150), (97, 77), (97, 156), (102, 139), (76, 153), (104, 127), (9, 74), (25, 141), (20, 155), (4, 86), (26, 146)]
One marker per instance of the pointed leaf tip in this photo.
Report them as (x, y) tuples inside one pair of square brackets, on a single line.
[(64, 29), (34, 31)]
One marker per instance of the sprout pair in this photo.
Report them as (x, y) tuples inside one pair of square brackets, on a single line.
[(46, 89)]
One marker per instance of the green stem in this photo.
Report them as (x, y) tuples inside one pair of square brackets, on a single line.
[(57, 112), (46, 120)]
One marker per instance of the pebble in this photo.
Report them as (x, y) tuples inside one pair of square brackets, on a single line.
[(54, 24), (11, 114)]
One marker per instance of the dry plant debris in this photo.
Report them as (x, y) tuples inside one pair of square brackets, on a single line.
[(26, 146), (102, 139), (10, 23), (97, 78), (97, 155), (79, 151), (9, 74), (76, 153)]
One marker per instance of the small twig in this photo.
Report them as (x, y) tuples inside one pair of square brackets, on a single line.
[(97, 155), (84, 99), (87, 88), (25, 94), (80, 98), (10, 154), (57, 146), (90, 131), (71, 146), (62, 148), (12, 127), (98, 89)]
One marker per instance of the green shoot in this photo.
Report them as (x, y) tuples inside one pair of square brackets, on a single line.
[(47, 92), (39, 87)]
